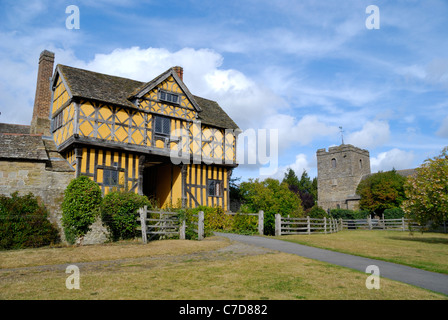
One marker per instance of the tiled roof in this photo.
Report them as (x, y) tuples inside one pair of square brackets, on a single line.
[(117, 90), (16, 144)]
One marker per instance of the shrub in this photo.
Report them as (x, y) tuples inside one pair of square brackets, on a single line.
[(348, 214), (82, 198), (317, 212), (24, 224), (394, 213), (119, 213), (245, 224)]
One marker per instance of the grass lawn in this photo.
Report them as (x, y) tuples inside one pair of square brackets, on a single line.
[(179, 269), (428, 251)]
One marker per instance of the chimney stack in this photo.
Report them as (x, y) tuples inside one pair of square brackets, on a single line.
[(40, 123), (180, 72)]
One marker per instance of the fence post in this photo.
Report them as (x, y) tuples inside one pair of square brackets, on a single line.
[(369, 221), (182, 230), (143, 215), (341, 224), (308, 224), (402, 223), (261, 222), (201, 225), (278, 225), (325, 225)]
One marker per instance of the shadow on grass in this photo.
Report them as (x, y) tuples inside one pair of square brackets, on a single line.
[(425, 239)]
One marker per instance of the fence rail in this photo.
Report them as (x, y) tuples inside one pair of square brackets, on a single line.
[(285, 226)]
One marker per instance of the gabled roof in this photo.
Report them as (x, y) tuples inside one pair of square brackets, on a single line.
[(148, 86), (120, 91)]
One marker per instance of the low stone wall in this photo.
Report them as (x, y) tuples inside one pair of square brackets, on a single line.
[(48, 186)]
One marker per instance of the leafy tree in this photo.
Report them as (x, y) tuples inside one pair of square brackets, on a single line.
[(82, 198), (303, 187), (427, 191), (272, 197), (381, 191)]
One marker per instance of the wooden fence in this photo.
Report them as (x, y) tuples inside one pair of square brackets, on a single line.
[(284, 226), (199, 225), (401, 224), (260, 223)]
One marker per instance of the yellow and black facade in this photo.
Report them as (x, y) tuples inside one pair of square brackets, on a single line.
[(152, 138)]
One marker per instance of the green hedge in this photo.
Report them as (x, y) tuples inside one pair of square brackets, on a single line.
[(119, 211), (348, 214), (24, 223), (82, 198)]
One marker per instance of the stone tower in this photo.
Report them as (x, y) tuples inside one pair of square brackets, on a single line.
[(339, 171)]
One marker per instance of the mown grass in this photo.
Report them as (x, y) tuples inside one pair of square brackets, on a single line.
[(428, 251), (189, 270)]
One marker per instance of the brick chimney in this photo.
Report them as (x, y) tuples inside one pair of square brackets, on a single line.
[(40, 123), (180, 72)]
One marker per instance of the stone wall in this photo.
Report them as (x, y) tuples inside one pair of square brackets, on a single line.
[(48, 186)]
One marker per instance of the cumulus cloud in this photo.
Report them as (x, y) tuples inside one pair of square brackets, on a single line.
[(303, 131), (246, 101), (373, 134), (298, 166), (395, 158)]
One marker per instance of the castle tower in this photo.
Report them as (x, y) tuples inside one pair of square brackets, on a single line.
[(339, 171)]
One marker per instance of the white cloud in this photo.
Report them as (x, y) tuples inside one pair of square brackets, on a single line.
[(303, 132), (298, 166), (391, 159), (443, 130), (373, 134)]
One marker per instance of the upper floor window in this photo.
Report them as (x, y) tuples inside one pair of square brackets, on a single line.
[(162, 125), (168, 96), (58, 121)]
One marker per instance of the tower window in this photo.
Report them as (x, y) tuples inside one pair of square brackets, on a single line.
[(333, 163), (360, 163)]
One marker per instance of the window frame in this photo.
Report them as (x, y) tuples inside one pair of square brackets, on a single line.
[(216, 183), (166, 96), (162, 118)]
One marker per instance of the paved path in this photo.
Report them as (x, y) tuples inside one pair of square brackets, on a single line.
[(429, 280)]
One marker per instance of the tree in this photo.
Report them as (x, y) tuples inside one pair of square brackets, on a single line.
[(381, 191), (427, 191), (304, 188), (272, 197), (291, 179)]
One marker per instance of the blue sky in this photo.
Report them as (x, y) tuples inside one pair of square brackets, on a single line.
[(304, 68)]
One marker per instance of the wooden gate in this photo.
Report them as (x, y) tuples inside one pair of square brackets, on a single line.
[(161, 224)]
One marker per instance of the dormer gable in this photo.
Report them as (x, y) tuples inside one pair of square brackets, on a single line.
[(168, 94)]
